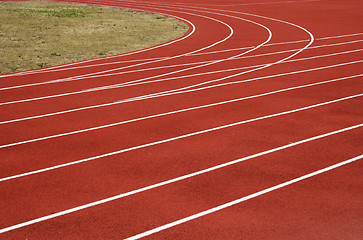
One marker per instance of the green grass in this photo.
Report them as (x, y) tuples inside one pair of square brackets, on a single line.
[(37, 34)]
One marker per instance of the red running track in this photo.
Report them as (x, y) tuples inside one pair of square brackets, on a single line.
[(248, 127)]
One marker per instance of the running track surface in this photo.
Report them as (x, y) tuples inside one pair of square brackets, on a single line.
[(248, 127)]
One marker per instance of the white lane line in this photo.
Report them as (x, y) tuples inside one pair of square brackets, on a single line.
[(180, 65), (186, 91), (342, 36), (45, 70), (177, 111), (174, 180), (243, 199), (178, 138)]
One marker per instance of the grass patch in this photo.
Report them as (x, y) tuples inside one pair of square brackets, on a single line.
[(37, 34)]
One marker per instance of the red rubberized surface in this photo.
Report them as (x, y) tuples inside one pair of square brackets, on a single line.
[(156, 143)]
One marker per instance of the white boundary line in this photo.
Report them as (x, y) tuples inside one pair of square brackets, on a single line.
[(177, 111), (243, 199), (187, 91), (172, 139), (178, 179)]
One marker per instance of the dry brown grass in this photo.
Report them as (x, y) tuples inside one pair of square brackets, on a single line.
[(36, 34)]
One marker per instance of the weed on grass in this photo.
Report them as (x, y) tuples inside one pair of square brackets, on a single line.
[(55, 54), (41, 65)]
